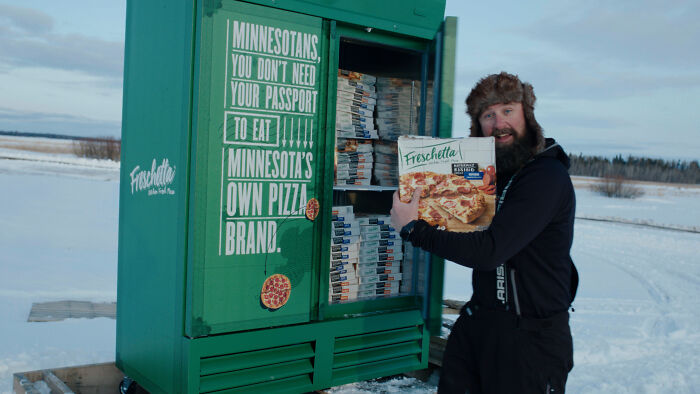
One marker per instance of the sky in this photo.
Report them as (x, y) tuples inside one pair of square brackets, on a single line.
[(610, 77)]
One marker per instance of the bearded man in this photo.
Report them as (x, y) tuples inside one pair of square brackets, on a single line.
[(513, 336)]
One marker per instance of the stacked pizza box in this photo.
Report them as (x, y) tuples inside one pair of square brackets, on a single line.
[(345, 249), (429, 105), (354, 161), (355, 103), (378, 268), (386, 163), (397, 101)]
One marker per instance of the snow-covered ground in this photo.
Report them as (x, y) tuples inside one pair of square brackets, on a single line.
[(636, 326)]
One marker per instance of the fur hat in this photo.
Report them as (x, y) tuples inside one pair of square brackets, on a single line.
[(504, 88)]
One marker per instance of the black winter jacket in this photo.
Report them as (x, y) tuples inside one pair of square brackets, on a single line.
[(522, 262)]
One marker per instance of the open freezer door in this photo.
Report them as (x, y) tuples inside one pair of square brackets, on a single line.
[(438, 123)]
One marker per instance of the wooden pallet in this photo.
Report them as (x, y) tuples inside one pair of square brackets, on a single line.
[(60, 310), (87, 379)]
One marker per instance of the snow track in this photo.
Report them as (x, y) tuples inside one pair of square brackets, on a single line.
[(644, 337)]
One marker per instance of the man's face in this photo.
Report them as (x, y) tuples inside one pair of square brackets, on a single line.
[(506, 122)]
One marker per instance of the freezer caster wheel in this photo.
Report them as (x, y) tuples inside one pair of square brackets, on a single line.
[(129, 386)]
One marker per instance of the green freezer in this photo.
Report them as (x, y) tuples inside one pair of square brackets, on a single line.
[(232, 258)]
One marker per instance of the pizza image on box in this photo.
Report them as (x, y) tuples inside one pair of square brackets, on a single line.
[(275, 291), (457, 180)]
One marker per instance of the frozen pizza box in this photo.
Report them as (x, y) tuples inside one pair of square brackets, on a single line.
[(342, 277), (347, 224), (363, 271), (378, 278), (375, 257), (344, 255), (344, 232), (354, 166), (367, 220), (356, 133), (457, 177), (345, 103), (341, 261), (380, 264), (353, 181), (351, 239), (343, 264), (343, 211), (343, 270), (349, 84), (379, 285), (343, 290), (394, 250), (346, 271), (357, 76), (344, 297), (379, 235), (350, 174), (356, 97), (377, 292), (345, 248), (353, 145), (396, 243), (375, 228)]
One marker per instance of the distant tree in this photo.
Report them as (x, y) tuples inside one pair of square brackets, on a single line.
[(636, 168)]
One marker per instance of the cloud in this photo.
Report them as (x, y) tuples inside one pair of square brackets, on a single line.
[(557, 114), (579, 78), (27, 38), (26, 20), (631, 33)]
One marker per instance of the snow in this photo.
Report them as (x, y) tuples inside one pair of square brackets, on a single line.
[(636, 326)]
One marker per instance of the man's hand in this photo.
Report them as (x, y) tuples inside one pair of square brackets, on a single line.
[(402, 213)]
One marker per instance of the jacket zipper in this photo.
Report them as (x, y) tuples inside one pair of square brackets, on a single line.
[(515, 292)]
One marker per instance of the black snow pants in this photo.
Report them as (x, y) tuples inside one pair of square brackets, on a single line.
[(497, 352)]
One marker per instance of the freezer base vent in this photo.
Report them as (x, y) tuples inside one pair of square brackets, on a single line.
[(380, 353), (279, 369)]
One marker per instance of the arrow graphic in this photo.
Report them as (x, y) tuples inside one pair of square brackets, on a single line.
[(291, 131), (298, 132), (284, 138), (306, 129), (311, 139)]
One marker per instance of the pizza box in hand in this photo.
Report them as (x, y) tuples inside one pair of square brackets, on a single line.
[(457, 177)]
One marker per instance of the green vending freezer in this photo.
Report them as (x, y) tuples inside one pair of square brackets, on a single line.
[(257, 173)]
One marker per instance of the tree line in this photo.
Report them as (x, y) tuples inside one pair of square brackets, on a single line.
[(636, 168)]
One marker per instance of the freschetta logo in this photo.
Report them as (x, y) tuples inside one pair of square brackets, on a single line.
[(156, 180), (420, 156)]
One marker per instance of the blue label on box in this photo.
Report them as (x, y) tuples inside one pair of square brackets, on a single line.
[(474, 175)]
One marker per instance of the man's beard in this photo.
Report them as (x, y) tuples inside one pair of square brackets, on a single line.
[(511, 157)]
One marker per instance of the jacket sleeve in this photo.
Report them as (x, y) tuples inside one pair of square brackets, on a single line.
[(532, 201)]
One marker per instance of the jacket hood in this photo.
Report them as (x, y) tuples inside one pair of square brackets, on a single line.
[(554, 150)]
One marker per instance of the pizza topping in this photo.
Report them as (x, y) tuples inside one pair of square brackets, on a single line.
[(464, 208)]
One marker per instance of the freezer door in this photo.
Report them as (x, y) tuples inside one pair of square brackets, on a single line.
[(438, 122), (255, 168)]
